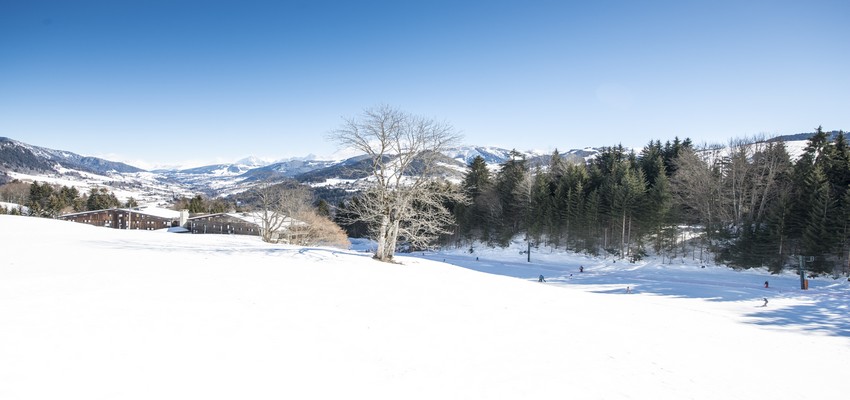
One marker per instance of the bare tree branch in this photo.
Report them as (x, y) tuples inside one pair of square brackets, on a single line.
[(403, 202)]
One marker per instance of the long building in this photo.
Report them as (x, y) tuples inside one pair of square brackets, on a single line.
[(124, 218)]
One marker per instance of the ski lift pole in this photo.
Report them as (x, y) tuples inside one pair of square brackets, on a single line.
[(802, 273)]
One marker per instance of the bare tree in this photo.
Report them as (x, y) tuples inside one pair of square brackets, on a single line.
[(277, 208), (698, 184), (402, 201), (268, 201), (751, 173), (15, 192)]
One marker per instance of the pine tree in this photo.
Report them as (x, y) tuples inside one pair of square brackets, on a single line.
[(802, 182), (477, 178), (776, 230), (472, 219), (100, 199), (509, 188), (323, 208), (819, 230), (42, 200), (659, 204), (594, 235)]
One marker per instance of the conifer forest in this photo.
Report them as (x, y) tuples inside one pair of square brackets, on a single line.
[(746, 204)]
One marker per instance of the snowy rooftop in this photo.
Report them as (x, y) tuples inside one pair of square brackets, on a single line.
[(154, 211)]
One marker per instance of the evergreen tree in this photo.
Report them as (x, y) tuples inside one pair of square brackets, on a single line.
[(197, 206), (803, 182), (472, 218), (509, 188), (477, 178), (43, 201), (594, 236), (100, 199), (776, 232), (818, 231), (838, 176), (323, 208), (659, 206)]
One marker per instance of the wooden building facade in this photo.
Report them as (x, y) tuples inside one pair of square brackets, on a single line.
[(224, 223), (290, 230), (119, 218)]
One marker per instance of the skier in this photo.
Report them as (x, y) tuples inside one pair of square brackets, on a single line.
[(581, 268), (765, 302), (628, 289), (765, 284), (541, 279)]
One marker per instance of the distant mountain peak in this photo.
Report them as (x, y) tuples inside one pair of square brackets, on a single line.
[(253, 161)]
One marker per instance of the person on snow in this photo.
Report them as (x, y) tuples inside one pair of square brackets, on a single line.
[(541, 279), (765, 302), (581, 268), (765, 284)]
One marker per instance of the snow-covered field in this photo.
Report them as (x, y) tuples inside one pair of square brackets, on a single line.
[(96, 313), (144, 187)]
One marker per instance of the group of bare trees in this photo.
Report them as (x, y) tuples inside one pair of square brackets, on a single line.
[(759, 207), (732, 184), (732, 190), (285, 212)]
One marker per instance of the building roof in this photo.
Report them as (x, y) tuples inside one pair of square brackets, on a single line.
[(152, 211)]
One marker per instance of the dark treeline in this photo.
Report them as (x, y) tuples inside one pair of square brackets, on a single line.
[(51, 201), (45, 200), (746, 204)]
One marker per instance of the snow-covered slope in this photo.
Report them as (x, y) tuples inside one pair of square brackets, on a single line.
[(99, 313), (21, 156)]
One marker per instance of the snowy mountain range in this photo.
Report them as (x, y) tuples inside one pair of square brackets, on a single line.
[(28, 162)]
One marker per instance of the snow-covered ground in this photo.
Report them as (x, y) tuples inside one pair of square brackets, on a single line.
[(14, 206), (96, 313)]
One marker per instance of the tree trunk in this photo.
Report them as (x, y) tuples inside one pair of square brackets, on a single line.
[(380, 252), (623, 237)]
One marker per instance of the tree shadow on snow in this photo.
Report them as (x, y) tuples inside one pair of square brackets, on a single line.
[(825, 310), (817, 318)]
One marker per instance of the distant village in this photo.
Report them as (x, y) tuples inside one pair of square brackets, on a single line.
[(46, 201)]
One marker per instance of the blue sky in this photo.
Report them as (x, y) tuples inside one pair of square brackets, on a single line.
[(168, 82)]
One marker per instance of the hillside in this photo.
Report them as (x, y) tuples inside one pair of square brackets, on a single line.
[(18, 156), (139, 315), (23, 161)]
